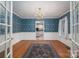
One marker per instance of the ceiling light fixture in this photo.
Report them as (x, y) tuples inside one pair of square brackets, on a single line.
[(39, 14)]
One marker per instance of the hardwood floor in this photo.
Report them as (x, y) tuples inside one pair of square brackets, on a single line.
[(23, 47), (61, 49), (20, 48)]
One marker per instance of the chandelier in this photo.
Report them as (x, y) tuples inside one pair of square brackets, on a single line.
[(39, 14)]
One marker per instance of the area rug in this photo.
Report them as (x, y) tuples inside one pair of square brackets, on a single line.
[(41, 51)]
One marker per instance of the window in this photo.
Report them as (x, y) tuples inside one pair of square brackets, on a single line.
[(63, 28)]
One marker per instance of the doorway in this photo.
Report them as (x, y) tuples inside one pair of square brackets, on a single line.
[(39, 27)]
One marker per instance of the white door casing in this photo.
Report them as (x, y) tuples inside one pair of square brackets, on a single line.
[(74, 28), (6, 22)]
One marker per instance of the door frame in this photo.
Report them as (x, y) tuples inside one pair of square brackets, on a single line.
[(8, 40), (43, 28), (72, 25)]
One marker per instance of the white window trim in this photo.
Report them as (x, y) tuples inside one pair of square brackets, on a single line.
[(65, 26)]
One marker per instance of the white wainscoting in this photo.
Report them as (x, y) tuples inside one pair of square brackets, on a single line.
[(32, 36), (23, 36), (51, 36)]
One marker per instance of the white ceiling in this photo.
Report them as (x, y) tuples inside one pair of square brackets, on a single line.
[(50, 9)]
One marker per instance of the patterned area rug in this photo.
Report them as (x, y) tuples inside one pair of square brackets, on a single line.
[(41, 51)]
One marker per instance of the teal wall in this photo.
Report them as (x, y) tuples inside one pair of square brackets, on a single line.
[(16, 24), (51, 25), (28, 25), (23, 25)]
